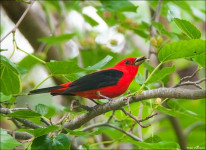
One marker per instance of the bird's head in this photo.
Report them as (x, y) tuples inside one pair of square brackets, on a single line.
[(131, 63)]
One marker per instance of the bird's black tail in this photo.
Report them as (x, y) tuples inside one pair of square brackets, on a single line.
[(45, 90)]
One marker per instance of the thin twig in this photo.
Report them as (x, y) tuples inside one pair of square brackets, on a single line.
[(112, 126), (19, 22), (186, 78), (137, 120), (67, 115), (148, 117), (131, 116), (195, 83), (190, 83), (139, 127), (110, 117), (157, 119), (189, 77), (128, 105)]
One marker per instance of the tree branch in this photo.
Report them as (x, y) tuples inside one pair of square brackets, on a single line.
[(186, 78), (195, 83), (178, 131), (20, 135), (117, 104), (26, 122)]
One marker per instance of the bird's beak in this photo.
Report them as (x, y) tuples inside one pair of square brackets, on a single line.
[(140, 60)]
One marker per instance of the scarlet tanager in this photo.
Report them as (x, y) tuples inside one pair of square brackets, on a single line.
[(106, 83)]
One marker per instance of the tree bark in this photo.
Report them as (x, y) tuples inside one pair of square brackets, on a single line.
[(179, 93)]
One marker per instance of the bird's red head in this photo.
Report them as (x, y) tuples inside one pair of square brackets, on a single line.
[(130, 64)]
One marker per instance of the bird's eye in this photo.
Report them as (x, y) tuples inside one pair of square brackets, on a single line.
[(127, 62)]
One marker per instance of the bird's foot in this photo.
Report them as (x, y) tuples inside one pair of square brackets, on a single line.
[(109, 99)]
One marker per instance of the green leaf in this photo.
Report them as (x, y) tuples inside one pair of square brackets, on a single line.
[(174, 110), (61, 142), (114, 6), (42, 143), (9, 77), (4, 98), (77, 133), (161, 74), (40, 131), (86, 146), (182, 49), (100, 64), (42, 109), (28, 62), (153, 139), (24, 114), (159, 145), (7, 141), (90, 20), (112, 133), (70, 67), (72, 77), (161, 29), (57, 39), (165, 110), (97, 55), (141, 33), (160, 108), (148, 66), (97, 132), (178, 109), (201, 59), (63, 67), (189, 29), (21, 70), (82, 133), (139, 79)]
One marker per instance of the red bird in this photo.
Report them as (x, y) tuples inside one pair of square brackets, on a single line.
[(106, 83)]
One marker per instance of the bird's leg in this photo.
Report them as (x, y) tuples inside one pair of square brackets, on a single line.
[(94, 101), (110, 99)]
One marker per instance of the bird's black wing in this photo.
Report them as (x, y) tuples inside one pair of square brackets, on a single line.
[(95, 80)]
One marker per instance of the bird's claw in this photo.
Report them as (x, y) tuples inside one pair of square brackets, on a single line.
[(110, 100)]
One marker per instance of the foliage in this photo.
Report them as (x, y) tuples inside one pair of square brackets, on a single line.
[(89, 49), (7, 142)]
